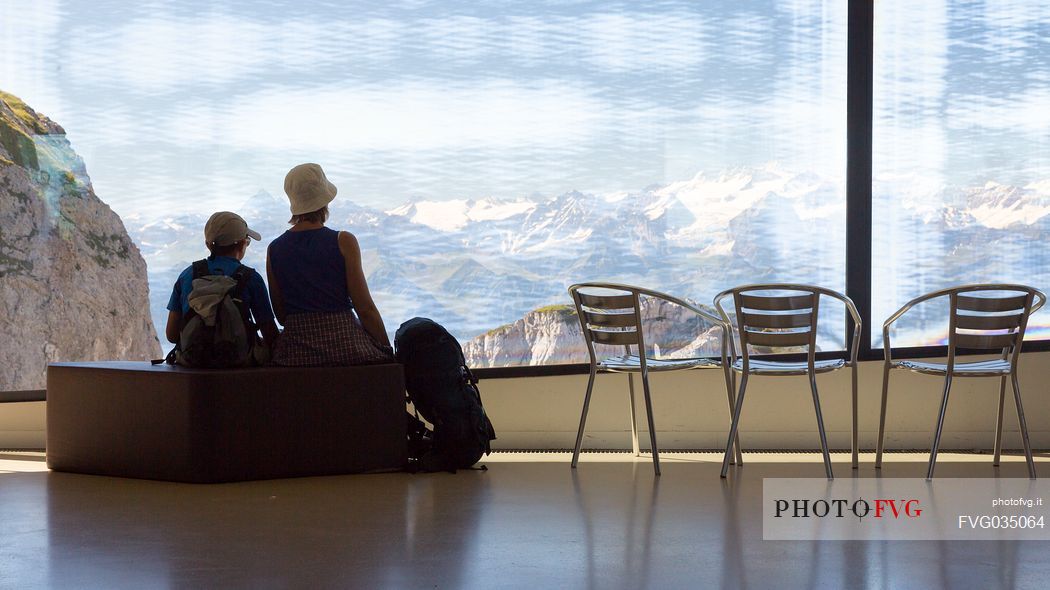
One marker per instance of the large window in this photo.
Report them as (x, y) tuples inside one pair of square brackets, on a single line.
[(488, 154), (961, 166)]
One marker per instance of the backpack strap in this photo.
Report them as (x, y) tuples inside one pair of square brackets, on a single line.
[(200, 269), (172, 355), (468, 376), (242, 274)]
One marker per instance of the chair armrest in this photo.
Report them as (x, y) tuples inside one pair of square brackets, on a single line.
[(672, 299), (1042, 299), (725, 319), (886, 346), (723, 323), (857, 321)]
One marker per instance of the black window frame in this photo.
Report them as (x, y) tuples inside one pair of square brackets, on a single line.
[(860, 34)]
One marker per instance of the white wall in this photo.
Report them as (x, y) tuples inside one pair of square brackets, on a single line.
[(22, 425), (691, 411)]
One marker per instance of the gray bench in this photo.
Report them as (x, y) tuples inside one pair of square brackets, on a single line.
[(131, 419)]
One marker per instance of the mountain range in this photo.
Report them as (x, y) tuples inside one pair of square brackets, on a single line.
[(477, 265)]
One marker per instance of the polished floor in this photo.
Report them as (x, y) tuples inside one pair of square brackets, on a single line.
[(527, 522)]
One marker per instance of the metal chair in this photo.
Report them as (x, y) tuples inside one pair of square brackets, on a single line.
[(786, 321), (975, 322), (616, 319)]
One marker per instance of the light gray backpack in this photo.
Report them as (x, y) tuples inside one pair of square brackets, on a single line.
[(217, 332)]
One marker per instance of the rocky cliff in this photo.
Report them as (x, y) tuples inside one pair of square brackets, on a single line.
[(551, 335), (72, 284)]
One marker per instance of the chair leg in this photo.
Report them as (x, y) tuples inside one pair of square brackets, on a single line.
[(999, 422), (652, 426), (729, 393), (739, 449), (735, 424), (820, 426), (1024, 428), (855, 442), (940, 427), (634, 417), (882, 415), (583, 419)]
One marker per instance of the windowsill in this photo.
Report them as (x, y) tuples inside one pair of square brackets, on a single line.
[(875, 354)]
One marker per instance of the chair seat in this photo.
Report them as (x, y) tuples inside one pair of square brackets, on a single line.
[(631, 363), (987, 368), (765, 367)]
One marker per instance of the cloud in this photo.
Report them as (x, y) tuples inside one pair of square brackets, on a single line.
[(911, 58), (1024, 112), (28, 43), (638, 41), (165, 53), (409, 116), (161, 54)]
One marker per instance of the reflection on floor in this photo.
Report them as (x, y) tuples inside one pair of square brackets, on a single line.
[(529, 521)]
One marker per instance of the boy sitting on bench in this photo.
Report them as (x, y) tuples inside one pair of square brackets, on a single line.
[(227, 237)]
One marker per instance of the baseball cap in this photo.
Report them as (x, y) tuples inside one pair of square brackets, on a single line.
[(225, 228)]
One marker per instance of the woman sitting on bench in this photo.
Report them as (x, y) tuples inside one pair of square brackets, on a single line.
[(317, 286)]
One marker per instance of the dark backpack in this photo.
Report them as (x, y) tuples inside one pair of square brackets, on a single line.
[(230, 341), (442, 390)]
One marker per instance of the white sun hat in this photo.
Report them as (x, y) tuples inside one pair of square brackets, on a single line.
[(308, 188)]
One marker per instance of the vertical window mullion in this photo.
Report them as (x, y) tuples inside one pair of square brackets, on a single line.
[(859, 76)]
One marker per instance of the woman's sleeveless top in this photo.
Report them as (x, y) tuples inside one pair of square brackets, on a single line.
[(310, 272)]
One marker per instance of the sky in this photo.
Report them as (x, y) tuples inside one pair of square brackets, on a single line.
[(962, 89), (189, 105)]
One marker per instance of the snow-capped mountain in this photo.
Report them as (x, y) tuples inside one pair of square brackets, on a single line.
[(998, 206), (458, 213), (476, 264)]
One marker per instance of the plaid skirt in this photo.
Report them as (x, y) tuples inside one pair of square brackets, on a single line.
[(326, 339)]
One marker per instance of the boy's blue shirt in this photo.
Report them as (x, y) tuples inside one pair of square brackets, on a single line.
[(255, 295)]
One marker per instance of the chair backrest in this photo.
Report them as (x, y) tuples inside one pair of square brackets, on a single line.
[(785, 319), (989, 317), (609, 314)]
